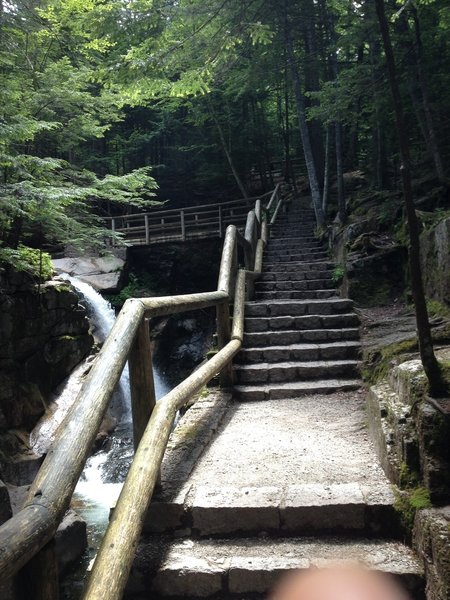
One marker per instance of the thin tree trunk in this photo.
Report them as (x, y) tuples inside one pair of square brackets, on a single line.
[(228, 155), (430, 364), (304, 133), (326, 172), (342, 214)]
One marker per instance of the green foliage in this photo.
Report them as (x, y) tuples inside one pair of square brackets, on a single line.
[(337, 274), (136, 285), (408, 502), (29, 260)]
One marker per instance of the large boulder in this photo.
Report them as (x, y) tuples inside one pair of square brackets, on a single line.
[(103, 273)]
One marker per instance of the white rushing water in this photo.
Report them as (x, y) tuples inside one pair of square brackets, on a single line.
[(101, 481)]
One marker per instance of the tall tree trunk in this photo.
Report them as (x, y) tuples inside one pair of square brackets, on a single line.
[(312, 82), (342, 214), (430, 364), (304, 133), (432, 138), (379, 153), (326, 171)]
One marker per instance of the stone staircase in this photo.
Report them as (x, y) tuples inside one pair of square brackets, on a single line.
[(299, 335), (253, 489)]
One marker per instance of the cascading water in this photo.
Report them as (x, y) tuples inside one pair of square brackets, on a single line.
[(102, 478)]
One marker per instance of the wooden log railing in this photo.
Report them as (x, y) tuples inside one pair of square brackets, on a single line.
[(180, 224), (26, 540)]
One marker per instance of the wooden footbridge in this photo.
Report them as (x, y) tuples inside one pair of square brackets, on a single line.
[(189, 223)]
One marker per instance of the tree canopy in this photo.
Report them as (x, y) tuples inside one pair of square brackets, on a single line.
[(99, 97)]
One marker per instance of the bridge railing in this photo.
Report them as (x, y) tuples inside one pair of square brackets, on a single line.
[(27, 539), (180, 224)]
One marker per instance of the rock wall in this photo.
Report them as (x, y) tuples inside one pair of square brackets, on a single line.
[(44, 334), (435, 257)]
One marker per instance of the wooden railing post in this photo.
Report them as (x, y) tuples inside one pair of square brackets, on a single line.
[(38, 580), (223, 337), (142, 385), (183, 226), (147, 232)]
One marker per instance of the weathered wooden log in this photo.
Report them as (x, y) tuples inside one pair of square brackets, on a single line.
[(259, 256), (265, 232), (275, 214), (226, 263), (49, 496), (273, 197), (168, 305), (38, 580), (142, 386), (237, 332), (114, 559)]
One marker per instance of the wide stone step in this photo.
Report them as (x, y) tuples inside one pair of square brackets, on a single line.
[(300, 246), (302, 257), (275, 243), (295, 294), (298, 275), (302, 324), (295, 371), (267, 337), (287, 256), (290, 240), (296, 389), (303, 351), (297, 308), (335, 508), (305, 284), (213, 567), (297, 267), (294, 275)]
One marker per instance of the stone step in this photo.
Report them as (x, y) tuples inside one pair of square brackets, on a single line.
[(275, 243), (297, 308), (213, 567), (286, 240), (299, 258), (298, 275), (295, 390), (295, 294), (294, 275), (299, 245), (335, 508), (305, 284), (303, 351), (295, 371), (266, 337), (303, 324), (297, 267), (288, 252)]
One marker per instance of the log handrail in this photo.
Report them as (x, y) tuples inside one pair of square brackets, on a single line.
[(25, 536)]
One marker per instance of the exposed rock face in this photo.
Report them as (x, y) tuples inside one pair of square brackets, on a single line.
[(103, 273), (435, 256), (44, 334), (432, 542), (373, 275)]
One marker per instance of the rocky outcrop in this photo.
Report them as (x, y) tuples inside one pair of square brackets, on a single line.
[(44, 334), (104, 274), (435, 257)]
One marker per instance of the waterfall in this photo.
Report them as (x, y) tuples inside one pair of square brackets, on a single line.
[(102, 316), (102, 478)]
